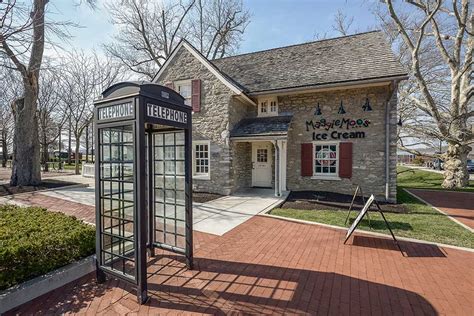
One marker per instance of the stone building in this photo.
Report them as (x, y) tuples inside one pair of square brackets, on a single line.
[(314, 116)]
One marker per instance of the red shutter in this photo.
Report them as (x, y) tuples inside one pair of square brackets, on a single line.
[(196, 95), (169, 85), (345, 160), (307, 160)]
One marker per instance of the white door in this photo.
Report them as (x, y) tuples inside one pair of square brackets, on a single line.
[(261, 164)]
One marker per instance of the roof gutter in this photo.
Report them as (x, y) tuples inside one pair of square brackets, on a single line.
[(336, 85), (258, 138)]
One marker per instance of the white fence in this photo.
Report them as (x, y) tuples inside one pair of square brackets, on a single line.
[(88, 170)]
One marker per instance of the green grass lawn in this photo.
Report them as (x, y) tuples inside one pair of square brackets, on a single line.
[(421, 222), (421, 179)]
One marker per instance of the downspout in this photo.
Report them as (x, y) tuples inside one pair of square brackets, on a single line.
[(394, 86), (277, 168)]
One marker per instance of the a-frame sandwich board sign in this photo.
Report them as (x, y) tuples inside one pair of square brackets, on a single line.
[(363, 212)]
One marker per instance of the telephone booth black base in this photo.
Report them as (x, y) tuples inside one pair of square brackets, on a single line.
[(143, 179)]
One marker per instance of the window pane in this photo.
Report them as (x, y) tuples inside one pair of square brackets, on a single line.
[(201, 159), (117, 199), (169, 186), (325, 159)]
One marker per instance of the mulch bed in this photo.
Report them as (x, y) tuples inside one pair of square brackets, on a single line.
[(321, 200), (6, 189), (203, 197)]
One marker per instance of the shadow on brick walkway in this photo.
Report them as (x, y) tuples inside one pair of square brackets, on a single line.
[(269, 266)]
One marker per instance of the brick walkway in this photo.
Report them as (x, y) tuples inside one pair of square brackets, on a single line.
[(459, 205), (81, 211), (269, 266)]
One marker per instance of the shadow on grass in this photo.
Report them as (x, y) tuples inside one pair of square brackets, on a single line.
[(379, 224)]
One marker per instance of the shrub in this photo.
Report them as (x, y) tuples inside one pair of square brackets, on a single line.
[(418, 161), (34, 241)]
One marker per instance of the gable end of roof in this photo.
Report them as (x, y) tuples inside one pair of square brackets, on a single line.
[(233, 86)]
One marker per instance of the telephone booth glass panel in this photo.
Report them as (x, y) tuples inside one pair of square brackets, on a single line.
[(117, 194), (169, 189)]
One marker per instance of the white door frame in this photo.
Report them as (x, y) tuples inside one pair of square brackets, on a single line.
[(262, 170)]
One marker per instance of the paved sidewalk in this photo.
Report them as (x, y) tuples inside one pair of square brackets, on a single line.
[(215, 217), (5, 174), (224, 214), (274, 266), (458, 205)]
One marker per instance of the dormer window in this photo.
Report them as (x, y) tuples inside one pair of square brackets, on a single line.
[(268, 107), (273, 107), (264, 108)]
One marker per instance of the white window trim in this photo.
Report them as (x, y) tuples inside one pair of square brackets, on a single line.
[(269, 112), (201, 176), (319, 176), (183, 83)]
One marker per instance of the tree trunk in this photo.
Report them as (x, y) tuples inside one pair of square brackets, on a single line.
[(4, 149), (87, 143), (92, 144), (455, 166), (45, 156), (76, 156), (26, 168), (69, 144)]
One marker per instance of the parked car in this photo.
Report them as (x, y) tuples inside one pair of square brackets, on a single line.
[(470, 166), (438, 164)]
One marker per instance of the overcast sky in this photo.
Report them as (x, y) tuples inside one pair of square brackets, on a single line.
[(274, 23)]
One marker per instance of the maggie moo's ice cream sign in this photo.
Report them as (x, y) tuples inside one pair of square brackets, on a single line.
[(344, 128)]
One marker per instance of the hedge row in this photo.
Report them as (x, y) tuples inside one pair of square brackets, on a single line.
[(34, 241)]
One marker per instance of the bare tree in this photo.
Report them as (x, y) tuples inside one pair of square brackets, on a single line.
[(85, 77), (11, 90), (26, 168), (217, 26), (148, 31), (22, 40), (51, 114), (436, 41), (342, 23)]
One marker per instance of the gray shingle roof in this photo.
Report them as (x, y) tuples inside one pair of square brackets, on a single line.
[(262, 126), (350, 58)]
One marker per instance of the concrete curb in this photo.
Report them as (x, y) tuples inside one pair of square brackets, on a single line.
[(276, 204), (29, 290), (437, 209), (294, 220)]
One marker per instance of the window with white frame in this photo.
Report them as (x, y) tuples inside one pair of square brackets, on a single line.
[(201, 159), (267, 107), (184, 88), (273, 106), (326, 160), (263, 107)]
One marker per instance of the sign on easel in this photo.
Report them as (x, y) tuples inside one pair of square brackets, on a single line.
[(357, 190), (364, 211), (359, 217)]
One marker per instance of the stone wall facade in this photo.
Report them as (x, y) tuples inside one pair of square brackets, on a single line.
[(211, 123), (368, 158), (231, 162)]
